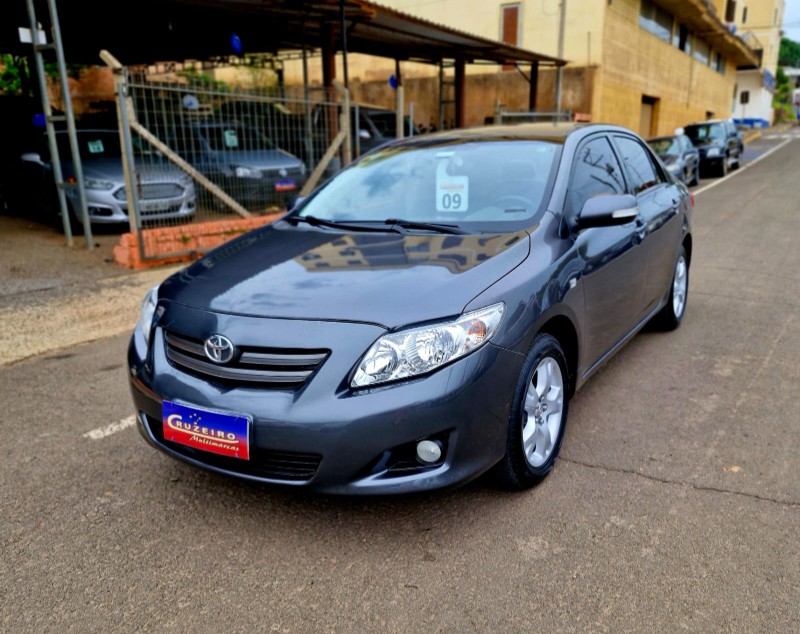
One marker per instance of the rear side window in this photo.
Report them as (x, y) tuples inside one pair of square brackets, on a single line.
[(597, 171), (639, 167)]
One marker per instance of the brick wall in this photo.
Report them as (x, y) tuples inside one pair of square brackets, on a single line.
[(194, 238)]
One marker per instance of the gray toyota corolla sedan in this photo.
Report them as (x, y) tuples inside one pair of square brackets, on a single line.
[(424, 317)]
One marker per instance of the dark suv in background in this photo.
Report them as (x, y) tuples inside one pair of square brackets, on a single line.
[(720, 145)]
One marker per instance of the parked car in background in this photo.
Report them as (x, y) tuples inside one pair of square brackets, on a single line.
[(165, 192), (421, 318), (288, 130), (241, 160), (720, 145), (377, 126), (679, 155)]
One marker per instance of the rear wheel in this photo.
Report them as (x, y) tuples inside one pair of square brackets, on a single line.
[(695, 175), (538, 416), (670, 317)]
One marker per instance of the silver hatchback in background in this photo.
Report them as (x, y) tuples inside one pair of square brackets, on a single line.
[(165, 192)]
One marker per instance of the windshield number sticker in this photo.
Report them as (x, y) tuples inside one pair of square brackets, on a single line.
[(231, 140), (95, 147), (452, 192)]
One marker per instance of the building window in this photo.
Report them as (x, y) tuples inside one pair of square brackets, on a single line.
[(654, 19), (702, 51), (730, 11), (718, 63), (744, 97), (682, 38), (744, 15), (509, 27)]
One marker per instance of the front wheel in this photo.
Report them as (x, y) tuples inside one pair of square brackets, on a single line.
[(670, 317), (538, 416)]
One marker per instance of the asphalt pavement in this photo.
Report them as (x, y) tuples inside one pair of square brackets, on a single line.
[(675, 505)]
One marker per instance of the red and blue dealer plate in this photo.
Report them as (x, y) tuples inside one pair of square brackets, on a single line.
[(198, 428)]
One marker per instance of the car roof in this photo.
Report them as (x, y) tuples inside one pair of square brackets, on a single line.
[(552, 132), (707, 122)]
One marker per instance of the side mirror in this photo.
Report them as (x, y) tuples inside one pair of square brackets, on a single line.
[(364, 134), (608, 211), (32, 157)]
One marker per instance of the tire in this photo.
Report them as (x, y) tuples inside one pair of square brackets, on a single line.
[(738, 162), (538, 416), (723, 166), (696, 176), (670, 317)]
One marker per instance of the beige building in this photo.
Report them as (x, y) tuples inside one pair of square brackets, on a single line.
[(759, 23), (649, 65)]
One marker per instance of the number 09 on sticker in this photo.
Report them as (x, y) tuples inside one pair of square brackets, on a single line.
[(452, 192)]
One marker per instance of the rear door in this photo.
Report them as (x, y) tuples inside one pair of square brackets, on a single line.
[(659, 223)]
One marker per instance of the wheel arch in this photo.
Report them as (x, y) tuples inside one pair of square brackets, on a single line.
[(564, 331), (687, 246)]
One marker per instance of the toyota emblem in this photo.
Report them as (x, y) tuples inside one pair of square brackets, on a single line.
[(283, 173), (219, 349)]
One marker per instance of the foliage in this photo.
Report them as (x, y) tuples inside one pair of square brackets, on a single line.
[(10, 75), (204, 81), (782, 99), (789, 54)]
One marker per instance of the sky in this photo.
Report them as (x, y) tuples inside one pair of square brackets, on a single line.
[(791, 20)]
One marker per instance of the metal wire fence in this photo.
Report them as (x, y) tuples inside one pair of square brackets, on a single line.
[(257, 148)]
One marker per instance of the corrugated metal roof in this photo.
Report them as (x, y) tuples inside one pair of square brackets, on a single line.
[(146, 31)]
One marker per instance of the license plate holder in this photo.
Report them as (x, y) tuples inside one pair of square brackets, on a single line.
[(220, 433)]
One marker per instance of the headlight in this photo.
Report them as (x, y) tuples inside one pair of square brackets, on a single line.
[(148, 310), (93, 183), (408, 353), (712, 152), (247, 172), (302, 169)]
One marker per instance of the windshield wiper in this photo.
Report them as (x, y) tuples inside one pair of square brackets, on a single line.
[(432, 226), (337, 224)]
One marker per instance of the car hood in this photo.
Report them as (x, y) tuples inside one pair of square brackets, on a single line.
[(110, 169), (388, 279), (262, 159)]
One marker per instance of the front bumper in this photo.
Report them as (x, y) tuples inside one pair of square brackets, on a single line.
[(347, 442), (105, 207)]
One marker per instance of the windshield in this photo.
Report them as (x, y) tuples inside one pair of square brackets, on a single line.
[(665, 147), (91, 145), (235, 138), (706, 133), (497, 182)]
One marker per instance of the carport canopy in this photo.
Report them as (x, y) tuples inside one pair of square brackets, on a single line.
[(148, 31)]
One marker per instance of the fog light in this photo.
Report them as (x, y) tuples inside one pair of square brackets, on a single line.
[(428, 451)]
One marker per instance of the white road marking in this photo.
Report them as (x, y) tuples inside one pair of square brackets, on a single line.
[(113, 428), (742, 168)]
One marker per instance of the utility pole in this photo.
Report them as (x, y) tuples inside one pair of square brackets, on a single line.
[(560, 71)]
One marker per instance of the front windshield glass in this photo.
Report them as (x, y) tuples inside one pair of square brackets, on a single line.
[(234, 138), (91, 145), (665, 147), (706, 133), (447, 183)]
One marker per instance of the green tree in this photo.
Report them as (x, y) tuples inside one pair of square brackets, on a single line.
[(789, 54), (10, 75)]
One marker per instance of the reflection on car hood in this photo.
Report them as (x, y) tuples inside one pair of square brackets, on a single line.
[(261, 159), (382, 278)]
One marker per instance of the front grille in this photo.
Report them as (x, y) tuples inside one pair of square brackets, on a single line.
[(154, 191), (264, 463), (172, 209), (249, 365)]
